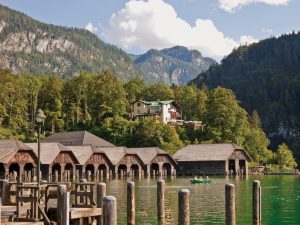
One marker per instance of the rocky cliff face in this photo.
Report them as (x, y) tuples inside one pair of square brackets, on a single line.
[(29, 46), (176, 65)]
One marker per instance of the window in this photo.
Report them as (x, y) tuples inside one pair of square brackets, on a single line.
[(139, 111), (138, 104)]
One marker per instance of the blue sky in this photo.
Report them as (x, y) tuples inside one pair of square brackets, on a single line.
[(214, 27)]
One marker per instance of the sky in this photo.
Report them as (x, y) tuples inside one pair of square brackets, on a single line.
[(214, 27)]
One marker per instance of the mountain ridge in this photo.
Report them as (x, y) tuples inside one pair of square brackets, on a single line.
[(175, 65), (30, 46)]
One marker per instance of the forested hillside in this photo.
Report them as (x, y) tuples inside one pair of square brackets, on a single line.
[(176, 65), (100, 103), (29, 46), (265, 77)]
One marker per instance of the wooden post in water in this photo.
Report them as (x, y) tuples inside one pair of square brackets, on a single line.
[(161, 201), (230, 204), (184, 207), (0, 210), (61, 189), (256, 202), (130, 203), (109, 210), (5, 191), (65, 208), (101, 193)]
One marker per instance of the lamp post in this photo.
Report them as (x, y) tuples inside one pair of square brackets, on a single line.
[(39, 119)]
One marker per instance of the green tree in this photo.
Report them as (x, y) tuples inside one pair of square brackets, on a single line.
[(135, 89), (158, 91), (284, 157), (225, 120)]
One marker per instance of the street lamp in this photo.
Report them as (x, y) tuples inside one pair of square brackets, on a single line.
[(39, 119)]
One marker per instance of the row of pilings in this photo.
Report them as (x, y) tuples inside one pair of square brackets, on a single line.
[(109, 204)]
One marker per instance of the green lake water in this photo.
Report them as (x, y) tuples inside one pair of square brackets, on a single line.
[(280, 200)]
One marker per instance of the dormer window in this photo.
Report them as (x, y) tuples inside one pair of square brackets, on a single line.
[(138, 104)]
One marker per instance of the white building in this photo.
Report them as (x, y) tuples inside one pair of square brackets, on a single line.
[(166, 111)]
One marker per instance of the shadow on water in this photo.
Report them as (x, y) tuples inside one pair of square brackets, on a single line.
[(280, 200)]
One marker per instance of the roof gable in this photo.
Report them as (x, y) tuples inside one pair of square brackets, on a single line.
[(114, 154), (206, 152), (82, 153), (49, 151), (9, 147), (76, 138)]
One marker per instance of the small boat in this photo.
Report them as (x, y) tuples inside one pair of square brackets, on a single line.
[(194, 181)]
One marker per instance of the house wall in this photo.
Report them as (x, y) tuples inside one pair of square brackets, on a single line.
[(201, 167), (142, 109)]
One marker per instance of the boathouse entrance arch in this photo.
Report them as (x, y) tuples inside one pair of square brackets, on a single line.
[(69, 172), (135, 170), (2, 171), (56, 167), (102, 170), (167, 169), (14, 167), (29, 171), (154, 169), (89, 169), (122, 170)]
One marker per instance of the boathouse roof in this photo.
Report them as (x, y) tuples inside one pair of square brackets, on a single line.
[(76, 138), (9, 147), (49, 151), (82, 153), (114, 154), (146, 154), (207, 152)]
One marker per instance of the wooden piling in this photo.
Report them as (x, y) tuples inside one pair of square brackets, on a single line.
[(89, 175), (161, 201), (101, 193), (130, 203), (109, 210), (5, 191), (0, 210), (184, 207), (230, 204), (61, 189), (256, 191)]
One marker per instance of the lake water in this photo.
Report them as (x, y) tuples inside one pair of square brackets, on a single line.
[(280, 200)]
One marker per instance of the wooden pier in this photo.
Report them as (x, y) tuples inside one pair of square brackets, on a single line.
[(73, 204)]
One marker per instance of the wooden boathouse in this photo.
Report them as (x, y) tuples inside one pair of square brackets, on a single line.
[(212, 159), (17, 160), (58, 162)]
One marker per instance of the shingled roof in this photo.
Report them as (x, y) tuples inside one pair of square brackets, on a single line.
[(82, 153), (9, 147), (76, 138), (114, 154), (146, 154), (49, 151), (206, 152)]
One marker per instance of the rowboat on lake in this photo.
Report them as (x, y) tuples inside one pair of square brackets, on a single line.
[(196, 181)]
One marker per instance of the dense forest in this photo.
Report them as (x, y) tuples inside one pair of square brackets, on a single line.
[(100, 103), (265, 76)]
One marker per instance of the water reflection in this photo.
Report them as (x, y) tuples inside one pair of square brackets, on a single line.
[(280, 200)]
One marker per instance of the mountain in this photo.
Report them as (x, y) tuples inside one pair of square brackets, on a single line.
[(176, 65), (265, 77), (29, 46)]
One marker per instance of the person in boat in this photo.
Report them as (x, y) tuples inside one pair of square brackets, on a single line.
[(201, 178), (196, 178), (207, 178)]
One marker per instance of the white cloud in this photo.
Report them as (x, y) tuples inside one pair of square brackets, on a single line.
[(246, 40), (231, 5), (91, 28), (145, 24)]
